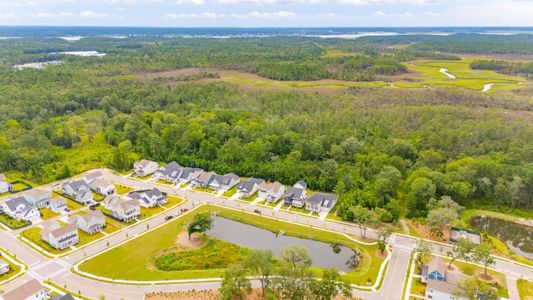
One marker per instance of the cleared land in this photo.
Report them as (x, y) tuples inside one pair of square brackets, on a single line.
[(135, 259)]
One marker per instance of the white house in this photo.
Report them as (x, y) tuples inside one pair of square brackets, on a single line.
[(144, 167), (170, 172), (271, 191), (21, 209), (58, 204), (102, 186), (149, 198), (91, 222), (320, 202), (38, 197), (31, 290), (5, 186), (124, 211), (247, 188), (202, 179), (79, 190), (295, 195), (4, 267), (224, 182), (60, 237)]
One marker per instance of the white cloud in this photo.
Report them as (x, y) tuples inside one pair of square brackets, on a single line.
[(8, 16), (86, 14), (376, 2), (206, 15), (195, 2), (267, 15), (261, 2), (380, 13)]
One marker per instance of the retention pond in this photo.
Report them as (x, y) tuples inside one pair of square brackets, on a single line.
[(519, 238), (324, 255)]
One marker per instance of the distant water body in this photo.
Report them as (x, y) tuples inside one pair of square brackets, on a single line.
[(75, 33)]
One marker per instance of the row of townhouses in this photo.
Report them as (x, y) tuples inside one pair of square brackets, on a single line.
[(295, 195)]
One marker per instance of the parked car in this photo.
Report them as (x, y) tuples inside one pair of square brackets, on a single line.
[(169, 217), (184, 210), (257, 211)]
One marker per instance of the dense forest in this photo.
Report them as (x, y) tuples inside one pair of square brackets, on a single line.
[(506, 67), (391, 150)]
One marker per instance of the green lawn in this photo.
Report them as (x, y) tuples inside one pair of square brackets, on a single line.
[(71, 204), (417, 287), (148, 212), (230, 192), (113, 225), (134, 259), (13, 269), (203, 189), (33, 234), (98, 197), (525, 289), (86, 238), (12, 223), (173, 201), (47, 213), (122, 189)]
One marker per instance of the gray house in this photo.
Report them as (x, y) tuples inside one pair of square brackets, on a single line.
[(4, 267), (249, 187), (91, 222), (79, 190), (170, 172), (224, 182), (20, 209), (38, 197), (295, 195), (149, 198), (187, 174), (58, 204), (320, 202)]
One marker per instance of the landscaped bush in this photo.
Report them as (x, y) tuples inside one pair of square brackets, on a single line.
[(216, 254)]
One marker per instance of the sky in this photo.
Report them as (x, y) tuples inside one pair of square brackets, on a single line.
[(267, 13)]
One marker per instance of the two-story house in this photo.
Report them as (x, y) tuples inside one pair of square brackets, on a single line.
[(441, 283), (102, 186), (202, 179), (91, 222), (271, 191), (60, 237), (20, 209), (30, 290), (149, 198), (170, 172), (144, 167), (295, 195), (79, 191), (5, 186), (38, 197), (320, 202)]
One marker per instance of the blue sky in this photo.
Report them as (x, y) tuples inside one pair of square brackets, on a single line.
[(268, 13)]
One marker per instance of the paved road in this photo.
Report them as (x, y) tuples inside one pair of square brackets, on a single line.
[(57, 270)]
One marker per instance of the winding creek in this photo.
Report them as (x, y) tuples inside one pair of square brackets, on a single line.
[(249, 236), (519, 238), (445, 72)]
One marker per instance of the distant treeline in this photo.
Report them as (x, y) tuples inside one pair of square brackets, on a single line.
[(506, 67)]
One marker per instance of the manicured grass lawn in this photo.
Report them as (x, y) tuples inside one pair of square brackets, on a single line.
[(13, 269), (142, 178), (230, 192), (33, 234), (47, 213), (113, 225), (86, 238), (71, 204), (525, 289), (202, 189), (98, 197), (12, 223), (417, 287), (122, 189), (301, 210), (173, 201), (148, 212), (250, 199), (135, 258)]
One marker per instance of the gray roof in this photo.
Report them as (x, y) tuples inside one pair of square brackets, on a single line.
[(93, 175), (36, 193), (171, 169), (248, 185), (301, 183), (62, 297), (322, 199), (24, 291), (77, 185), (94, 214), (14, 202), (186, 172), (144, 195), (225, 179), (294, 193)]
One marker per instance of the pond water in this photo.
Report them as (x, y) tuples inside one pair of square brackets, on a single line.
[(252, 237), (519, 238)]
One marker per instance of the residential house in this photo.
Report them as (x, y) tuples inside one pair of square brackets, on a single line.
[(79, 190), (60, 237), (21, 209), (271, 191), (93, 175), (170, 172), (320, 202), (187, 174), (5, 186), (247, 188), (102, 186), (124, 211), (295, 195), (38, 197), (4, 267), (202, 179), (144, 167), (224, 182), (149, 198), (441, 283), (92, 222), (31, 290), (58, 204)]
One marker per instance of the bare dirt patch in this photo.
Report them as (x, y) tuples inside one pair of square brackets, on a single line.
[(184, 243)]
